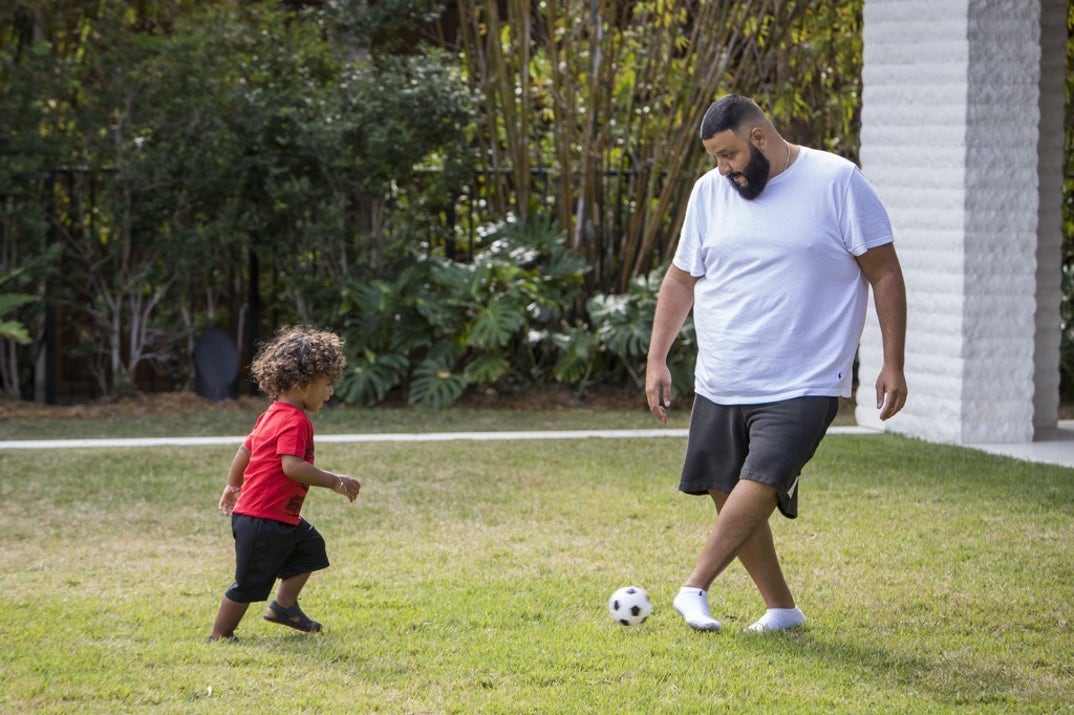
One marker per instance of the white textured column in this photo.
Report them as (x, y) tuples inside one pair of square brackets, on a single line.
[(949, 138)]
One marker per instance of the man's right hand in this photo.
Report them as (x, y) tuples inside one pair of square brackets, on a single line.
[(658, 390)]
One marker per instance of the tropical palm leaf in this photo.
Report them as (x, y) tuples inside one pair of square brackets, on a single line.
[(435, 384)]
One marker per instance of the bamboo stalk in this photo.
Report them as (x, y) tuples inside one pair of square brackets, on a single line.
[(627, 84)]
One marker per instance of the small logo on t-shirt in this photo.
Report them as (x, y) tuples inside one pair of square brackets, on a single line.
[(294, 506)]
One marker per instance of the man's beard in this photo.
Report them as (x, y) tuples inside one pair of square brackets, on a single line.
[(755, 173)]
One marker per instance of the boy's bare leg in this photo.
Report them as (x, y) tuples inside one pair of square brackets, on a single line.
[(228, 618), (285, 608), (287, 593)]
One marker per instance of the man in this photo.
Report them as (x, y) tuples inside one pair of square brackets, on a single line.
[(778, 249)]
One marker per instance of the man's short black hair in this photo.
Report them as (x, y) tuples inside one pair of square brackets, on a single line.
[(730, 111)]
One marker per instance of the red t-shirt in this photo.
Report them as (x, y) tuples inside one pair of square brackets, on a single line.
[(267, 492)]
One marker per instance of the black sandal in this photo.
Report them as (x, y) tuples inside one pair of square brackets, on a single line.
[(292, 617)]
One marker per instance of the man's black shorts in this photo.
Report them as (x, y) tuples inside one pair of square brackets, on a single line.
[(767, 443), (266, 550)]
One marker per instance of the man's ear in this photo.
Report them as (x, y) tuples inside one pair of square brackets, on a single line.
[(758, 138)]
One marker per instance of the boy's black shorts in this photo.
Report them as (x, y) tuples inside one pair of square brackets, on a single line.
[(767, 443), (266, 550)]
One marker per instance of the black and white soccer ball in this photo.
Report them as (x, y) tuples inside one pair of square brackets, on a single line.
[(630, 605)]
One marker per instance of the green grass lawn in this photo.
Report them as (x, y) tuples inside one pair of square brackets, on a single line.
[(472, 577)]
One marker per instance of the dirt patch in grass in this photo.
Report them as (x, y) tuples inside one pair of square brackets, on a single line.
[(549, 398), (141, 405), (544, 398)]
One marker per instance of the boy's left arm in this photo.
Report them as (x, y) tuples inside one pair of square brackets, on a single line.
[(302, 471), (234, 480)]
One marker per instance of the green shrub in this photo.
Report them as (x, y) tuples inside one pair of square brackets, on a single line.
[(622, 324), (441, 326), (431, 328)]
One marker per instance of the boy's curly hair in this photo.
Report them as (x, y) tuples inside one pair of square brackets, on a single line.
[(295, 357)]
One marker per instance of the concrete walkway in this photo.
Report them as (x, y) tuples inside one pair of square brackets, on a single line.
[(1057, 450)]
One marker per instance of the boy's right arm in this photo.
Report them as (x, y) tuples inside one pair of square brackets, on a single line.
[(234, 480)]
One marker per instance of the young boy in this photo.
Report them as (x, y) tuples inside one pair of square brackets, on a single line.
[(269, 478)]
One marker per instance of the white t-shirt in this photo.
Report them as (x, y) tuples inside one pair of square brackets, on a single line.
[(780, 304)]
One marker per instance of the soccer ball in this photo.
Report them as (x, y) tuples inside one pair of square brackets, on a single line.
[(630, 605)]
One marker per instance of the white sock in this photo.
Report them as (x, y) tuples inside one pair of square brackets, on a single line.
[(693, 605), (779, 619)]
